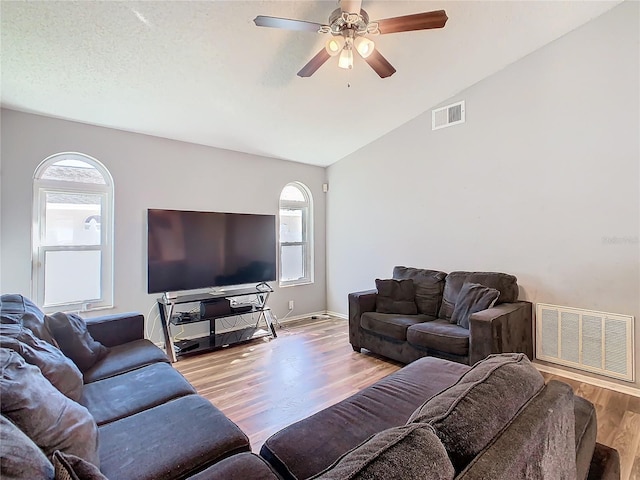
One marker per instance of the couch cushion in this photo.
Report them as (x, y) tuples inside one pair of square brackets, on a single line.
[(472, 298), (126, 394), (396, 296), (70, 467), (537, 444), (408, 452), (70, 331), (20, 458), (309, 446), (124, 358), (484, 401), (440, 335), (22, 311), (51, 420), (506, 284), (243, 466), (390, 325), (169, 441), (54, 365), (429, 285)]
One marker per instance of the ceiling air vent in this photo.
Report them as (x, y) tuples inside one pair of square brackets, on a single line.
[(447, 116)]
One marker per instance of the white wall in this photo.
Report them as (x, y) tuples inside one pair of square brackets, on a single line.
[(542, 181), (148, 172)]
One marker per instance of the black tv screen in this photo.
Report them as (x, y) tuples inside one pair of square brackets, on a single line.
[(191, 250)]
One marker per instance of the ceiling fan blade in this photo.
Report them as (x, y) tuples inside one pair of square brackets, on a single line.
[(314, 64), (350, 6), (380, 64), (286, 23), (417, 21)]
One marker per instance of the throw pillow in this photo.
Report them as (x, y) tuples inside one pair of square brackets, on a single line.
[(468, 415), (58, 369), (409, 452), (20, 458), (70, 331), (472, 298), (396, 296), (70, 467), (46, 416), (429, 286)]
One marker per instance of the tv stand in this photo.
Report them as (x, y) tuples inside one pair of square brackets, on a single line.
[(169, 316)]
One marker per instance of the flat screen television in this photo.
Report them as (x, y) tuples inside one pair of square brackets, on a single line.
[(189, 250)]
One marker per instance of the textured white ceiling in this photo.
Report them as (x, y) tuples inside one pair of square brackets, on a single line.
[(202, 72)]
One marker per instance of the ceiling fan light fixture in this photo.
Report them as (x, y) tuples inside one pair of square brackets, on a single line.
[(364, 46), (346, 58), (334, 46)]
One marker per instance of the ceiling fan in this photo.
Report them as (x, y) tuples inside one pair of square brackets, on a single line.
[(349, 26)]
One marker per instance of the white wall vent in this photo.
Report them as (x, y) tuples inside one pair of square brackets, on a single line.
[(447, 116), (596, 342)]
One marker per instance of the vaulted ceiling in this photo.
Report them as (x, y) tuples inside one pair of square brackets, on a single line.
[(202, 72)]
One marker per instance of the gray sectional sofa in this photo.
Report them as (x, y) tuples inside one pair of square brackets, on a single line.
[(441, 316), (437, 419), (129, 412), (120, 411)]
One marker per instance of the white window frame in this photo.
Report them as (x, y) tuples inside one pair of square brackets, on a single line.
[(306, 209), (41, 187)]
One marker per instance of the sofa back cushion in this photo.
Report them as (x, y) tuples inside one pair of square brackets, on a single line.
[(396, 296), (539, 443), (20, 458), (506, 284), (429, 286), (54, 365), (70, 331), (17, 309), (469, 414), (46, 416), (408, 451)]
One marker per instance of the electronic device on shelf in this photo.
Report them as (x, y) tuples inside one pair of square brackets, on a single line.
[(215, 308), (241, 307), (188, 250), (183, 346)]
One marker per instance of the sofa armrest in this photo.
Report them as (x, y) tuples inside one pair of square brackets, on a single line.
[(116, 329), (504, 328), (359, 302), (605, 464)]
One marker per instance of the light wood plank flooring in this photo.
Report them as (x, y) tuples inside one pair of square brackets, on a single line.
[(266, 385)]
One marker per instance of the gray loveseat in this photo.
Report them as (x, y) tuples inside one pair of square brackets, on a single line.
[(504, 327)]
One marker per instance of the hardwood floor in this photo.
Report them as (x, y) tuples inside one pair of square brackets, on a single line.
[(266, 385)]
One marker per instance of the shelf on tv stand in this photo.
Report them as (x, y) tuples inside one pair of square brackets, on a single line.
[(207, 343), (197, 318), (215, 340)]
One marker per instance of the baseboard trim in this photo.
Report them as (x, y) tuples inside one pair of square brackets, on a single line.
[(339, 315), (627, 390)]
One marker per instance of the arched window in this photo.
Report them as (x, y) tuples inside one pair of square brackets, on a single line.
[(296, 235), (72, 266)]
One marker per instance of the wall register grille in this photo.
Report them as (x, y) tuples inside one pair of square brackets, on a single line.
[(596, 342), (447, 116)]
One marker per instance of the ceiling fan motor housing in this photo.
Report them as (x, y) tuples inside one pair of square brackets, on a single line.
[(340, 21)]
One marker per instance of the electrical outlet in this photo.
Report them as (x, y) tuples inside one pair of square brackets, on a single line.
[(290, 304)]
